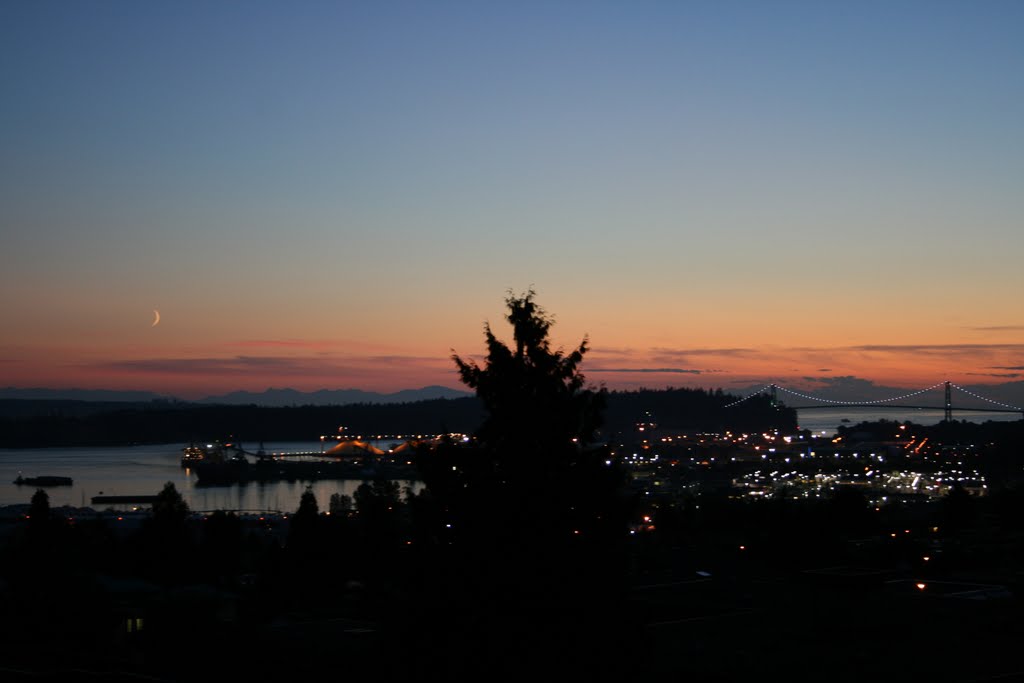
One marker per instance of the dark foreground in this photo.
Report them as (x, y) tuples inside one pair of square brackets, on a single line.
[(742, 590)]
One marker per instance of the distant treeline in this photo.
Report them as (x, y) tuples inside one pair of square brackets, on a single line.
[(81, 423), (695, 409)]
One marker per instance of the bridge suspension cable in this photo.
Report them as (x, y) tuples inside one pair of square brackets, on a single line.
[(989, 400), (760, 391), (880, 401), (861, 403)]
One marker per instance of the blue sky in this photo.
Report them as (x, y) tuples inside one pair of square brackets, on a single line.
[(364, 181)]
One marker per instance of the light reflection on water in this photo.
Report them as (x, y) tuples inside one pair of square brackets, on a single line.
[(143, 470)]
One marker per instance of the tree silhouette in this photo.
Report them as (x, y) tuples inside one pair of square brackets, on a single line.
[(304, 551), (308, 508), (340, 504), (377, 499), (165, 539), (535, 440), (530, 521), (304, 524), (39, 551), (221, 548), (169, 508), (39, 510), (533, 394)]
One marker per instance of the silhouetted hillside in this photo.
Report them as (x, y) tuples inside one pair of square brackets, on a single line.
[(331, 397), (694, 409), (26, 424), (150, 423)]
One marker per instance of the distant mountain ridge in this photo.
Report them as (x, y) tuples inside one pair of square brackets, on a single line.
[(331, 397), (843, 388), (269, 397)]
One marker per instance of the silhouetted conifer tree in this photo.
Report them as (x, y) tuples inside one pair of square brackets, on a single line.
[(534, 395), (532, 518), (304, 524), (308, 507), (169, 509), (222, 546), (340, 504), (165, 538), (39, 510)]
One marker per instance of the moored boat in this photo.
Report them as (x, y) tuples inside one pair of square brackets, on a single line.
[(225, 464), (193, 454), (43, 481)]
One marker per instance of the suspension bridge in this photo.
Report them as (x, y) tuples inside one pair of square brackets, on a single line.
[(895, 402)]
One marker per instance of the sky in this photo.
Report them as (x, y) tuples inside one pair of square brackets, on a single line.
[(339, 194)]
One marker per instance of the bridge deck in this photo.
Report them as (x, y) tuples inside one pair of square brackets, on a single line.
[(903, 407)]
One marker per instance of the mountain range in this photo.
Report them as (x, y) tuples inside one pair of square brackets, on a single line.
[(269, 397), (828, 389)]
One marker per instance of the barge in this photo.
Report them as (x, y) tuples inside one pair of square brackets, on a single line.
[(43, 481)]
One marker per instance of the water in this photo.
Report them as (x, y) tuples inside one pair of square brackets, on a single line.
[(828, 419), (143, 470)]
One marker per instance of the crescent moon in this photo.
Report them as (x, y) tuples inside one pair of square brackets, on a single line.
[(156, 319)]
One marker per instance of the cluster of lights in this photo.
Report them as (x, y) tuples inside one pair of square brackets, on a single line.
[(766, 484)]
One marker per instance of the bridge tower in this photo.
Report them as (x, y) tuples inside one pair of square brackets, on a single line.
[(949, 402), (773, 395)]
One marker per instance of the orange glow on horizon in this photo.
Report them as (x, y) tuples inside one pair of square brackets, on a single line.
[(310, 366)]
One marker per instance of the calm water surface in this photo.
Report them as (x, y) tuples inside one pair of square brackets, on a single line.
[(143, 470), (828, 419)]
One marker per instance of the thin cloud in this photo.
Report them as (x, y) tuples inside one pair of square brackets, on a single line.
[(999, 328), (618, 352), (826, 355), (904, 348), (1007, 367), (837, 379), (395, 359), (685, 371), (937, 348), (702, 352), (1004, 375), (840, 381), (673, 357), (283, 343), (847, 380)]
